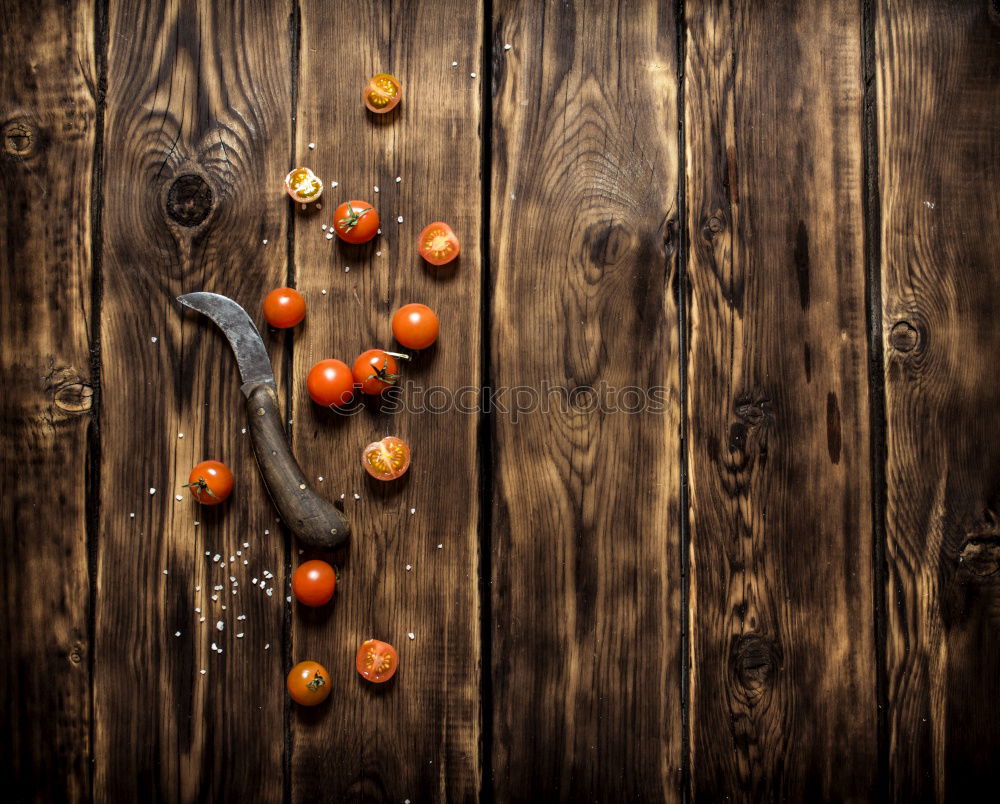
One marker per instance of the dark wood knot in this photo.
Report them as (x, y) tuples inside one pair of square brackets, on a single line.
[(20, 138), (76, 654), (754, 661), (904, 337), (608, 245), (980, 554), (190, 200), (713, 225), (74, 397)]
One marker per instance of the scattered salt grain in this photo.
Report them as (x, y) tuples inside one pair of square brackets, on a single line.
[(196, 523), (267, 646), (197, 589), (241, 616), (232, 558), (215, 597), (267, 574), (264, 242), (239, 552), (245, 562), (399, 219), (333, 184), (410, 635), (379, 231), (197, 611), (266, 533), (152, 491), (409, 567), (319, 206), (132, 515), (246, 544), (347, 268), (208, 552), (453, 64), (244, 431), (440, 546), (201, 620), (223, 606), (177, 633), (165, 572), (178, 497), (329, 235), (216, 558), (301, 551), (154, 339), (323, 227), (398, 179), (312, 145), (180, 435), (239, 635), (506, 47), (203, 672), (288, 598), (270, 592), (378, 253), (323, 291), (357, 496), (376, 188), (220, 625), (342, 496), (232, 579), (320, 478), (413, 510)]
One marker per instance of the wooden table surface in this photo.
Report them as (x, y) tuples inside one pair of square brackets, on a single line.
[(706, 480)]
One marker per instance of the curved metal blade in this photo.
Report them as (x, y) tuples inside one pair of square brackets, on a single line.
[(251, 356)]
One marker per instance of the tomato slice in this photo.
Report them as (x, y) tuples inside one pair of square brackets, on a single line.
[(303, 185), (376, 660), (438, 244), (382, 94), (386, 459)]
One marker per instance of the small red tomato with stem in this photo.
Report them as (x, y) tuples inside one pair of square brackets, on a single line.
[(386, 459), (210, 482), (284, 308), (355, 222), (382, 93), (313, 583), (303, 185), (376, 370), (330, 383), (376, 660), (308, 683), (415, 326), (438, 244)]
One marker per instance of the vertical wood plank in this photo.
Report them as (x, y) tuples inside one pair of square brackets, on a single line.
[(197, 138), (939, 169), (586, 581), (417, 737), (47, 122), (782, 635)]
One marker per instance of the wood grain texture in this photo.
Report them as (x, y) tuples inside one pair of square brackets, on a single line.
[(939, 156), (47, 132), (586, 581), (196, 140), (782, 633), (416, 737)]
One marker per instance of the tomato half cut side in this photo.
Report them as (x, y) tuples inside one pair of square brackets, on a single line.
[(303, 185), (382, 93), (376, 661), (438, 244), (386, 459)]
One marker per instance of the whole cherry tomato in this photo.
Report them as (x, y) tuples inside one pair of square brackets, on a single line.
[(438, 244), (376, 370), (303, 185), (313, 583), (308, 683), (376, 660), (210, 482), (355, 222), (382, 93), (415, 326), (284, 308), (386, 459), (330, 383)]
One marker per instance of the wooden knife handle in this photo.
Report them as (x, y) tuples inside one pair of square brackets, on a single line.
[(314, 520)]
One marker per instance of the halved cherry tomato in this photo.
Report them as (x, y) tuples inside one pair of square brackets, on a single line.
[(210, 482), (376, 660), (376, 370), (415, 326), (330, 383), (382, 93), (284, 308), (313, 583), (308, 683), (386, 459), (355, 222), (437, 244), (303, 185)]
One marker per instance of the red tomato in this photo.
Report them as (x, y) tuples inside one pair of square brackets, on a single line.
[(376, 660), (308, 683), (313, 583), (386, 459), (303, 185), (355, 222), (415, 326), (376, 370), (437, 244), (210, 482), (284, 308), (382, 94), (330, 383)]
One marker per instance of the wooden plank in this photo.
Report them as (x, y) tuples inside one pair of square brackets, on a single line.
[(418, 737), (48, 110), (939, 168), (586, 577), (196, 145), (782, 640)]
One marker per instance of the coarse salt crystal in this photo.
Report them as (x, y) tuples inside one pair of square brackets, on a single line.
[(165, 572), (409, 567), (245, 562), (266, 533), (413, 510), (239, 635), (241, 616), (312, 145), (347, 268), (342, 496), (323, 227), (215, 597), (220, 625), (267, 646), (288, 598), (270, 592), (320, 478), (333, 184), (268, 574), (154, 339), (398, 179), (264, 242), (410, 635), (202, 671), (178, 497), (132, 515), (152, 490), (506, 47), (201, 620), (180, 435), (357, 496), (453, 64), (208, 552), (472, 75), (440, 546), (177, 633), (197, 589), (319, 206), (232, 579), (329, 236), (323, 291), (216, 557), (197, 611), (378, 253), (239, 552), (244, 431), (376, 188), (379, 231), (254, 581), (246, 544), (232, 558), (399, 219)]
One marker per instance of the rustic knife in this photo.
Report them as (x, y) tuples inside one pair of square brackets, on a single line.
[(314, 520)]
